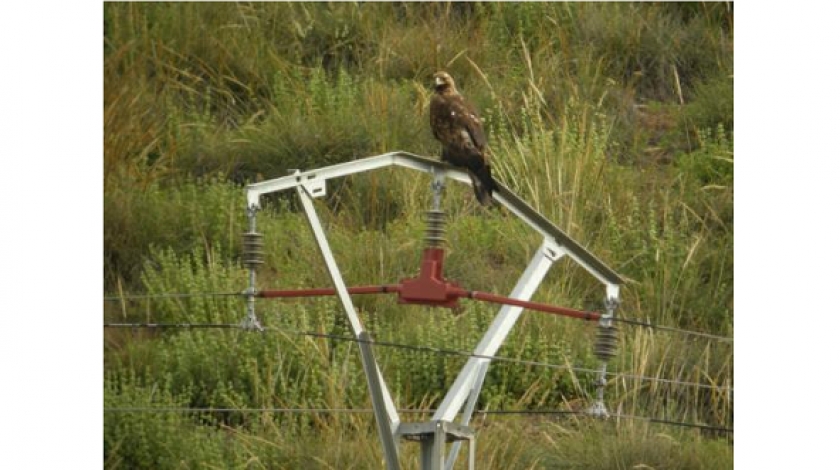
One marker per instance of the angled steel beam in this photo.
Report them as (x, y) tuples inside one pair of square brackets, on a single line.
[(538, 222), (387, 419), (547, 254)]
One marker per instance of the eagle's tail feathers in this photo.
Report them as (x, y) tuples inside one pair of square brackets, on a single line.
[(483, 185)]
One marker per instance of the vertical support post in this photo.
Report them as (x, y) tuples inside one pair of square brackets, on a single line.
[(467, 416), (251, 322), (471, 462), (387, 419), (548, 253), (432, 445), (426, 453), (438, 446)]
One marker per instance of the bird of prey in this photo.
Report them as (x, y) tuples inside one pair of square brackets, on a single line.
[(456, 124)]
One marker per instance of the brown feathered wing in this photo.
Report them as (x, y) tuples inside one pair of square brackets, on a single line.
[(457, 126)]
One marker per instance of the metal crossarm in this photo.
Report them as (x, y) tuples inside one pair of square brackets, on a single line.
[(386, 413), (415, 162)]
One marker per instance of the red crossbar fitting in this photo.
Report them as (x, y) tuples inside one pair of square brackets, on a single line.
[(430, 288)]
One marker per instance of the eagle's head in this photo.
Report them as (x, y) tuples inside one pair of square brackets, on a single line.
[(444, 82)]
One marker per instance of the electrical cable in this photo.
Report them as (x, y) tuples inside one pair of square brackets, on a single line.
[(675, 423), (115, 298), (444, 351), (172, 325), (633, 321), (629, 321), (152, 409)]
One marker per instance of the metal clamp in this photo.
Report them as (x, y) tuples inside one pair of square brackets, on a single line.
[(611, 305), (251, 323)]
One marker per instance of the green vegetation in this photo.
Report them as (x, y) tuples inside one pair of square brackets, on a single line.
[(612, 119)]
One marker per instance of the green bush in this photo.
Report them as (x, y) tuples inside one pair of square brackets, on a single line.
[(205, 212)]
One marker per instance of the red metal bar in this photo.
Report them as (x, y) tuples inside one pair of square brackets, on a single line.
[(553, 309), (383, 289), (448, 297), (430, 288)]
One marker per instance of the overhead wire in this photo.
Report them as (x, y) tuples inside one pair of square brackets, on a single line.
[(173, 409), (636, 322), (444, 351), (629, 321), (154, 409), (115, 298), (172, 325), (457, 352)]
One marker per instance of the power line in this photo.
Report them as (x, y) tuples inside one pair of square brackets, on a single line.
[(453, 352), (616, 416), (675, 423), (152, 409), (632, 321), (444, 351), (114, 298), (172, 325), (457, 352)]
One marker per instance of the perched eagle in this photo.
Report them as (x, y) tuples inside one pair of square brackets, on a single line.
[(456, 124)]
